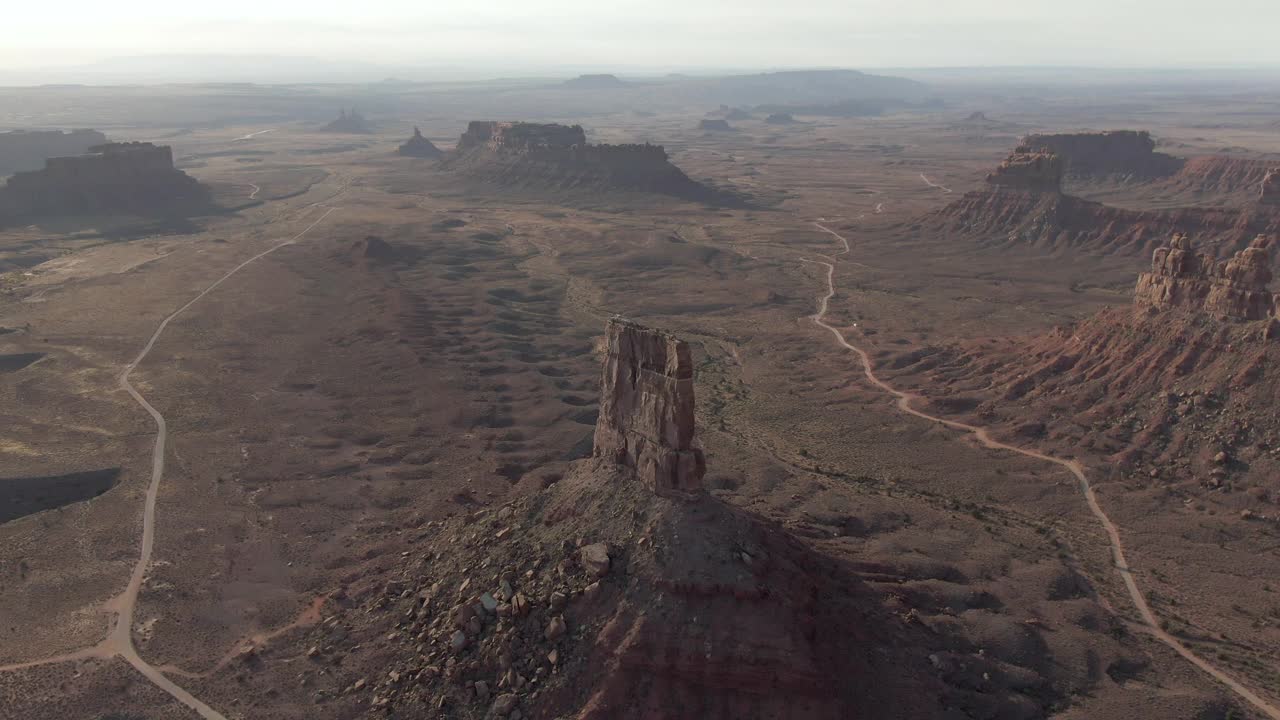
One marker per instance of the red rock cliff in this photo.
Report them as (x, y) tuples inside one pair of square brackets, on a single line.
[(1183, 277), (646, 408), (1029, 168)]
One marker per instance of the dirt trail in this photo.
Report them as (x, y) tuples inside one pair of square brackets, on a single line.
[(931, 184), (119, 641), (1072, 466)]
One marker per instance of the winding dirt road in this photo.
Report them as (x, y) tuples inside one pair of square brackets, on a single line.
[(984, 437), (119, 641), (932, 184)]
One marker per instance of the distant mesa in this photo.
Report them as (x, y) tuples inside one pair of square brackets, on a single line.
[(420, 147), (780, 119), (348, 122), (1028, 200), (24, 150), (1128, 153), (595, 81), (977, 117), (845, 108), (729, 113), (1235, 289), (135, 177), (715, 125), (553, 156)]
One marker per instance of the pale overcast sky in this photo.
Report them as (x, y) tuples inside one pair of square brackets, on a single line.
[(656, 33)]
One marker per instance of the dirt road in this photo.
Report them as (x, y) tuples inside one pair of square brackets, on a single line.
[(982, 435), (119, 642)]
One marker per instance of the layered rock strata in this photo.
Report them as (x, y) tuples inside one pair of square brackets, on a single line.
[(1028, 168), (647, 408), (1183, 277)]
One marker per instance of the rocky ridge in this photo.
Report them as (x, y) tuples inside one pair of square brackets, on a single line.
[(1175, 390)]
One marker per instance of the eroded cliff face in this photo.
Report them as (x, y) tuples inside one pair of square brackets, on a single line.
[(1182, 277), (1029, 168), (1269, 193), (647, 408), (116, 177)]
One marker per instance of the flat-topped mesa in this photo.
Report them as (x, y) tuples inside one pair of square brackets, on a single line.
[(647, 410), (520, 136), (1030, 169), (1113, 152), (1182, 277), (418, 146), (25, 150), (134, 176), (1269, 194)]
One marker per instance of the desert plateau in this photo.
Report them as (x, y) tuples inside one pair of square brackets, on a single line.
[(751, 394)]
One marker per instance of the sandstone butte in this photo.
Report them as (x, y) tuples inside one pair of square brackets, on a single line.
[(418, 146), (647, 408), (1234, 289), (1028, 168)]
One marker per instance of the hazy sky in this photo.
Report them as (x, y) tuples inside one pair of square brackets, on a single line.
[(656, 33)]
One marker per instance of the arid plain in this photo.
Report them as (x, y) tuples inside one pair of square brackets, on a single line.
[(420, 345)]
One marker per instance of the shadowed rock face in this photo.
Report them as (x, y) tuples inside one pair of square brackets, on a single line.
[(1129, 153), (22, 151), (1027, 168), (418, 146), (116, 177), (1183, 277), (1270, 193), (646, 408)]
